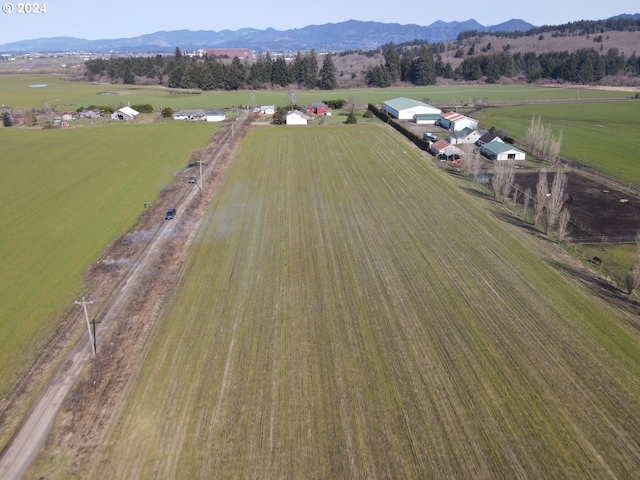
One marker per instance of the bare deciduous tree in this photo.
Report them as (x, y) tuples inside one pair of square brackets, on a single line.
[(292, 97), (525, 202), (502, 179), (633, 275), (540, 141), (542, 192), (563, 224), (555, 201), (471, 160), (515, 195), (554, 149), (353, 101)]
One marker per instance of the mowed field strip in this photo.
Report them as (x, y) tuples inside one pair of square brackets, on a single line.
[(350, 311)]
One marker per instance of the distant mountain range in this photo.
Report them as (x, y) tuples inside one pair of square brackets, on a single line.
[(349, 35)]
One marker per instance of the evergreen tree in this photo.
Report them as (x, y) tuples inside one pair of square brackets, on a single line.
[(406, 63), (280, 73), (235, 75), (328, 74), (423, 70), (310, 69), (392, 62), (6, 120), (351, 118), (280, 116), (378, 76)]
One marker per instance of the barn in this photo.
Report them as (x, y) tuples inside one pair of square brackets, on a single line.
[(405, 108), (124, 113), (455, 121), (501, 151)]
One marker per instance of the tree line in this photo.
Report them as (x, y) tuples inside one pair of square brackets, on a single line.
[(421, 66), (581, 27), (211, 73)]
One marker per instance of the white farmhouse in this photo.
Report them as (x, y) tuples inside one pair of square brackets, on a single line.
[(405, 108)]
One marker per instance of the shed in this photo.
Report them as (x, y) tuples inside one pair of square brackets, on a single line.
[(405, 108), (501, 151), (444, 147), (124, 113)]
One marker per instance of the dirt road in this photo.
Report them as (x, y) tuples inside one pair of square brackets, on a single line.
[(29, 439)]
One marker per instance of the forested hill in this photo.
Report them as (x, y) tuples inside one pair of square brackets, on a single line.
[(349, 35)]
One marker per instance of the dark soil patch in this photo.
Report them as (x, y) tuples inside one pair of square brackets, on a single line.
[(597, 210)]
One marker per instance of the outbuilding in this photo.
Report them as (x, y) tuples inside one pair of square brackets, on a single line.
[(456, 121), (502, 151), (199, 115), (405, 108), (125, 113), (190, 115), (296, 117), (442, 147)]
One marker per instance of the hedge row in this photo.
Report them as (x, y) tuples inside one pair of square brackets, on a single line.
[(385, 117)]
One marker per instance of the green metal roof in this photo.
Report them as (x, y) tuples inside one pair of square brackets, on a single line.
[(402, 103), (426, 116), (499, 147)]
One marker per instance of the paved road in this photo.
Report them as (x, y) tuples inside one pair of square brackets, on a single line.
[(26, 444)]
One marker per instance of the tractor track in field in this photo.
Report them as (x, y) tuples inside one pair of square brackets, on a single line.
[(130, 293)]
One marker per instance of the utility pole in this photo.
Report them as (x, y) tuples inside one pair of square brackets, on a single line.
[(86, 316), (200, 186)]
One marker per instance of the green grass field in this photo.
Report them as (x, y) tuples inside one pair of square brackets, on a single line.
[(601, 135), (350, 311), (65, 95), (64, 194)]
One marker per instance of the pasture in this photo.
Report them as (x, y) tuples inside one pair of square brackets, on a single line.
[(64, 195), (350, 311), (601, 135), (68, 95)]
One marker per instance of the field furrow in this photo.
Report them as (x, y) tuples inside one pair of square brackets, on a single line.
[(351, 312)]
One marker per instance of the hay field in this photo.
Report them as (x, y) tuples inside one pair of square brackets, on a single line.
[(64, 195), (349, 311)]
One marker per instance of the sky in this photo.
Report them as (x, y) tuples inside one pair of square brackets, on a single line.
[(100, 19)]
